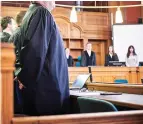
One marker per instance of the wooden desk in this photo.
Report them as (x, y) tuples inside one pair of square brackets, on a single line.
[(109, 74), (127, 100), (124, 88), (75, 71)]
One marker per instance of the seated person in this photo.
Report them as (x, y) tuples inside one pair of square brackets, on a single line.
[(69, 57), (88, 57), (132, 58), (8, 25), (111, 56)]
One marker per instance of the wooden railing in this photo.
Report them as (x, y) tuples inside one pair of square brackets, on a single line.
[(109, 74), (7, 67)]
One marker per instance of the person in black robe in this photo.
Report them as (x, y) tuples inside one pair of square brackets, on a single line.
[(88, 57), (43, 70), (69, 57), (18, 104), (111, 56)]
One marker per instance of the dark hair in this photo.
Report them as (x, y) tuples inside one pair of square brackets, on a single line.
[(5, 21), (128, 53), (19, 17)]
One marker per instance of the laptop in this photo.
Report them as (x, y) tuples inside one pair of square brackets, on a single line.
[(80, 81)]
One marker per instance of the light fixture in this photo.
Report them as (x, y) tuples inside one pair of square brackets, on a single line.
[(73, 16), (119, 18)]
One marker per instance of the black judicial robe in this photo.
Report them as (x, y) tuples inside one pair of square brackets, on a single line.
[(108, 58), (70, 61), (43, 65)]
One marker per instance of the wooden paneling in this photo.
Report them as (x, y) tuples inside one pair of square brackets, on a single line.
[(140, 74), (11, 11), (126, 117), (109, 74), (90, 25), (6, 92), (142, 11), (75, 71), (132, 89), (130, 15), (99, 48)]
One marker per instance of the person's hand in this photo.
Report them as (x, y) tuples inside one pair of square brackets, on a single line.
[(21, 86)]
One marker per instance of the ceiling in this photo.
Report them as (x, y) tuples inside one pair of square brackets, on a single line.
[(85, 3)]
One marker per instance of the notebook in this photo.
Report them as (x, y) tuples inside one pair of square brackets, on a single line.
[(80, 81)]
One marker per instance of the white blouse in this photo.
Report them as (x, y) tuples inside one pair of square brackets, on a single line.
[(132, 61)]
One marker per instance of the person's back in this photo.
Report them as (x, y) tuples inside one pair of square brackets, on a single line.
[(44, 71)]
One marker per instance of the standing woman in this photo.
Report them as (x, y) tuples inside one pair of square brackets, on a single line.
[(69, 57), (132, 58), (111, 56)]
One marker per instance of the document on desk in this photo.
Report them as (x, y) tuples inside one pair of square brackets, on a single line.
[(88, 93)]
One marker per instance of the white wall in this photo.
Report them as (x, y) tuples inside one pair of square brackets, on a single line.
[(126, 35)]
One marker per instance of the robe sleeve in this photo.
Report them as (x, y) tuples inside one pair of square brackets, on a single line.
[(94, 59), (106, 60), (116, 57), (83, 59), (35, 46)]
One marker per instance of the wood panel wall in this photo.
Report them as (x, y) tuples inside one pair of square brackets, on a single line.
[(109, 74), (11, 11), (130, 15), (93, 26)]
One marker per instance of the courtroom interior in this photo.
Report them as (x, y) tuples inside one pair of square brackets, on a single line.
[(71, 62)]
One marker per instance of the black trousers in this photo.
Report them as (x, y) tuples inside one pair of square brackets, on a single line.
[(18, 102)]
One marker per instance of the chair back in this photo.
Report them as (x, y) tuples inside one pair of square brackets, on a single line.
[(79, 58), (77, 64), (120, 81), (90, 105)]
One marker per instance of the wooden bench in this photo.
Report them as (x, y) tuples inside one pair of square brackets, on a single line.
[(7, 115)]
